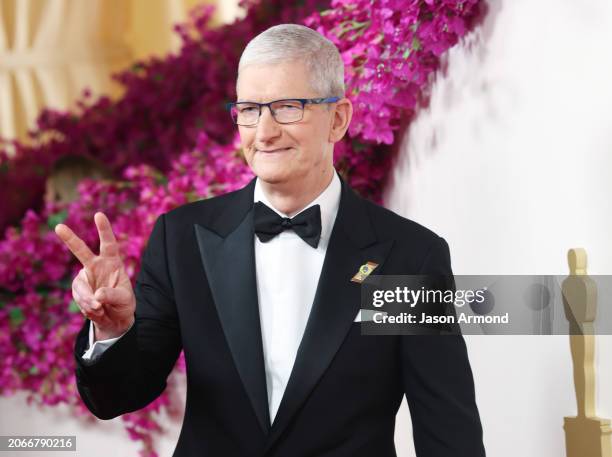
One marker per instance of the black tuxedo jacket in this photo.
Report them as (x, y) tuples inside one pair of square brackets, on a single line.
[(196, 291)]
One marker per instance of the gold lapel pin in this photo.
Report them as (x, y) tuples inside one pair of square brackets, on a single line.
[(364, 271)]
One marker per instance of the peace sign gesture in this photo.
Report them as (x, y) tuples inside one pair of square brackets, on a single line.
[(102, 288)]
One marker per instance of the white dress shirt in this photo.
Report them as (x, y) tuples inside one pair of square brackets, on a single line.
[(287, 272)]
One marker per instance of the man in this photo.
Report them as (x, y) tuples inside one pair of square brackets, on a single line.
[(255, 286)]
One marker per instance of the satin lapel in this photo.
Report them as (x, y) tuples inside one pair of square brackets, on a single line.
[(229, 263), (337, 302)]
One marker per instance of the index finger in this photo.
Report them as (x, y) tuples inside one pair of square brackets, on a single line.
[(76, 245), (108, 242)]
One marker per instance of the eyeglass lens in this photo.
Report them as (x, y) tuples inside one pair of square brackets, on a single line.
[(283, 111)]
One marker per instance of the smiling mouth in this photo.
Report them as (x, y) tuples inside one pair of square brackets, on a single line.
[(273, 150)]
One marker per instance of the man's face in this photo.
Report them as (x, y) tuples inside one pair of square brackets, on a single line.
[(299, 148)]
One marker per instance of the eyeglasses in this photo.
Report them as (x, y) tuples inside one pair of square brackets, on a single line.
[(286, 111)]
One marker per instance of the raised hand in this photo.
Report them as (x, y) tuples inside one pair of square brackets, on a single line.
[(102, 288)]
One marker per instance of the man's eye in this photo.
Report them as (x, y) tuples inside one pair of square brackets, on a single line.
[(289, 107), (247, 109)]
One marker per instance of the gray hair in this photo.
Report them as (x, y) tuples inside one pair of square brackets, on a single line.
[(286, 42)]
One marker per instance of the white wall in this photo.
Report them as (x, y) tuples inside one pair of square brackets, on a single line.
[(94, 438), (512, 165)]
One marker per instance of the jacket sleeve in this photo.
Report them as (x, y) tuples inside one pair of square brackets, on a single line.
[(133, 371), (97, 348), (438, 383)]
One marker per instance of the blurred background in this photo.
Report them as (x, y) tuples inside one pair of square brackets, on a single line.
[(51, 50)]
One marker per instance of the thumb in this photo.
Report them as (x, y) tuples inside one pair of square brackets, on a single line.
[(112, 295)]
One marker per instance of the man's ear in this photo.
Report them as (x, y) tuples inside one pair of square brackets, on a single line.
[(341, 118)]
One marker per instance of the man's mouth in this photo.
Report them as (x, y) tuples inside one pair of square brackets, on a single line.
[(273, 150)]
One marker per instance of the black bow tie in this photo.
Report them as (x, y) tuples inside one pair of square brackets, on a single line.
[(307, 224)]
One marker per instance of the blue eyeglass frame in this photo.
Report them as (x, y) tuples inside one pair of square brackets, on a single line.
[(303, 101)]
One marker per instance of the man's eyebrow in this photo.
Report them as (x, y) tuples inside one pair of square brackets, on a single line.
[(259, 100)]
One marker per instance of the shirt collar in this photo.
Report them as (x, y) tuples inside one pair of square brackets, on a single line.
[(328, 200)]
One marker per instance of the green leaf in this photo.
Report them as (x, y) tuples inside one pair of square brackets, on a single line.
[(43, 291), (33, 370), (416, 44), (73, 307), (6, 296), (358, 146), (406, 53), (161, 180), (65, 283), (57, 218), (16, 316)]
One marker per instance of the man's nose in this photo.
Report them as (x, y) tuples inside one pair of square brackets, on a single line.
[(267, 127)]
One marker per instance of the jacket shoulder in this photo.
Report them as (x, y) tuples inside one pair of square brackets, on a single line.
[(389, 224), (419, 248), (205, 210)]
